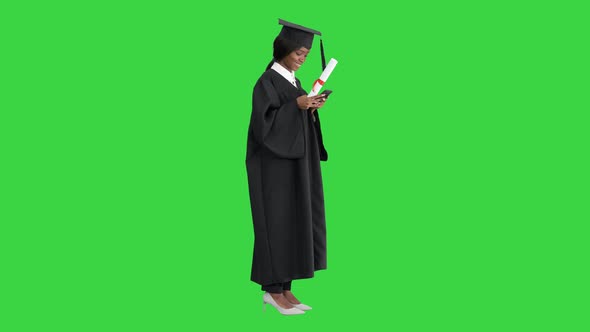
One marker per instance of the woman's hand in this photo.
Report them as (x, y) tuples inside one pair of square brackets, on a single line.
[(304, 102), (320, 104)]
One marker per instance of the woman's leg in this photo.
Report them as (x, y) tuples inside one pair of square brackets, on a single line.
[(273, 288), (287, 286), (276, 291), (288, 294)]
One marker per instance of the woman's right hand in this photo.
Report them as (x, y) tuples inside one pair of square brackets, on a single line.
[(304, 102)]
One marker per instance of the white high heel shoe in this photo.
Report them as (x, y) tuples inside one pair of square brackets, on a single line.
[(301, 306), (267, 298)]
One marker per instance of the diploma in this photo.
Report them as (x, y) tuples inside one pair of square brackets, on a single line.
[(319, 83)]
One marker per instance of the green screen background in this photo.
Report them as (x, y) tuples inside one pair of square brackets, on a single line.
[(456, 192)]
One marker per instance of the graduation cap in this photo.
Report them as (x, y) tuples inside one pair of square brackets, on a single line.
[(301, 36)]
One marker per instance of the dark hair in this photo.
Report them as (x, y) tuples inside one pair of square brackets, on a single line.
[(281, 48)]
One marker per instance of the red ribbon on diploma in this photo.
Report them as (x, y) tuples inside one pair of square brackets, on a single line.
[(319, 81)]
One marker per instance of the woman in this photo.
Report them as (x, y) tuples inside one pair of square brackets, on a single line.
[(283, 162)]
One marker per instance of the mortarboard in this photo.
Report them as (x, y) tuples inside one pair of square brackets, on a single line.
[(301, 36)]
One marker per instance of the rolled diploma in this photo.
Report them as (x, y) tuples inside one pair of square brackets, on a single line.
[(317, 86)]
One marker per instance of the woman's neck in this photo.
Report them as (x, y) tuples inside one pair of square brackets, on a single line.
[(284, 66)]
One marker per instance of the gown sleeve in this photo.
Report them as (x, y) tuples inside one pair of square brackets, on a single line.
[(318, 129), (277, 126)]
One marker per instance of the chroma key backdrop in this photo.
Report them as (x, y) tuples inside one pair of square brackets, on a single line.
[(456, 189)]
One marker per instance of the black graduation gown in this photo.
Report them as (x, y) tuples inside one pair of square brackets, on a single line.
[(284, 177)]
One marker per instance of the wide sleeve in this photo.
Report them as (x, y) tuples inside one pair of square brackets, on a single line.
[(318, 130), (277, 126)]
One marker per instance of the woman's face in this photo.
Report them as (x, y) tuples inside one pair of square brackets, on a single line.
[(295, 59)]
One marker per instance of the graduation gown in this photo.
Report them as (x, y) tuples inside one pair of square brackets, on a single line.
[(283, 156)]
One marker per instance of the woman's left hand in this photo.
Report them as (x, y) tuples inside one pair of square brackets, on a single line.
[(318, 104)]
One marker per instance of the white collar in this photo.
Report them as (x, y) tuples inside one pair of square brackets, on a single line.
[(287, 74)]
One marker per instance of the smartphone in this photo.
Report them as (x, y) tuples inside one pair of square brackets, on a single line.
[(326, 93)]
